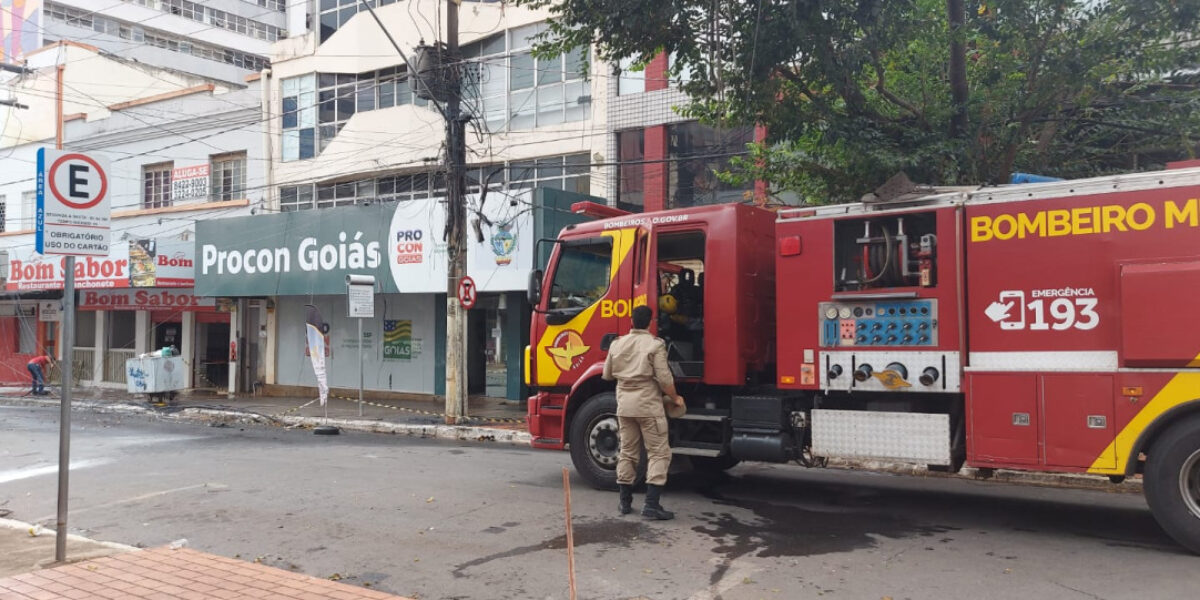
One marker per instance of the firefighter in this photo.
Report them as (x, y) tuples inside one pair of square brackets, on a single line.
[(638, 363)]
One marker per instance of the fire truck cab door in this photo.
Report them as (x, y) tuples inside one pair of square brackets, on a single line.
[(585, 305)]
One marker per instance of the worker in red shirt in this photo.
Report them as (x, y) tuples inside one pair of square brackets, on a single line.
[(35, 366)]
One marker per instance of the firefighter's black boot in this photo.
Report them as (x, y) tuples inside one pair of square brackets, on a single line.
[(654, 510), (626, 505)]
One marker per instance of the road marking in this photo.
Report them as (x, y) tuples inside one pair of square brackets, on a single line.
[(75, 511), (27, 472)]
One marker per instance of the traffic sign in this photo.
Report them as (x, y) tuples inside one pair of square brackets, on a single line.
[(467, 293), (73, 204), (360, 296)]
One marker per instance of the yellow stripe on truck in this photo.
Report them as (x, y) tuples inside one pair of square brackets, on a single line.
[(526, 369), (1183, 387), (547, 372)]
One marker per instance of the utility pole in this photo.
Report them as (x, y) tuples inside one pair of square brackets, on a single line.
[(456, 222), (456, 210)]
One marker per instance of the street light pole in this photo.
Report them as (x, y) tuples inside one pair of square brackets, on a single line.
[(68, 348)]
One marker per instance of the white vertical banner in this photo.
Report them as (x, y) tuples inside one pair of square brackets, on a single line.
[(316, 328)]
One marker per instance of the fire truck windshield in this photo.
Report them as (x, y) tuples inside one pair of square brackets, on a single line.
[(581, 276)]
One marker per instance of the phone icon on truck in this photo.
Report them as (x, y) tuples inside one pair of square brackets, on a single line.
[(1014, 303)]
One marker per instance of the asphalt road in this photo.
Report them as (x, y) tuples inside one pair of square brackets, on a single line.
[(432, 519)]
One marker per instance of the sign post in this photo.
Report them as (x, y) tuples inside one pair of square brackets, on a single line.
[(360, 300), (73, 219)]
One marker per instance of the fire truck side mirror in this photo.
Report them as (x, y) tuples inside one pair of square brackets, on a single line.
[(534, 292)]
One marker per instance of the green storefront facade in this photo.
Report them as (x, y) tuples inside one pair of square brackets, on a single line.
[(279, 263)]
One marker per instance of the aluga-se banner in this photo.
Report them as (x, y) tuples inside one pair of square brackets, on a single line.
[(315, 329)]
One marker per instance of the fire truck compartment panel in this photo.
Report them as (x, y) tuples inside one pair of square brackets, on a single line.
[(895, 323), (1078, 419), (1167, 335), (1003, 419), (914, 363), (913, 437)]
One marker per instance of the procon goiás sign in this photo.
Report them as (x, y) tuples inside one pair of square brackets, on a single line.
[(140, 263), (401, 245)]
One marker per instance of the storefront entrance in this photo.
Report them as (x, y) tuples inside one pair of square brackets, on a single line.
[(496, 330), (212, 351)]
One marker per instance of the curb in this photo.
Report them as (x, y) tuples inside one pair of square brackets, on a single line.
[(14, 524), (208, 415)]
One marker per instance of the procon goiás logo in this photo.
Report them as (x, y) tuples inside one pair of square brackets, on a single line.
[(567, 350)]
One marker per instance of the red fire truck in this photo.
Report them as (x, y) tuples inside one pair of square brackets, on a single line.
[(1046, 327)]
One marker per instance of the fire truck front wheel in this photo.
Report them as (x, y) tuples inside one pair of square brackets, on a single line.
[(1172, 482), (594, 442)]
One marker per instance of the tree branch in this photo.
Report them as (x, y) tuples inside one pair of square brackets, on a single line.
[(890, 97)]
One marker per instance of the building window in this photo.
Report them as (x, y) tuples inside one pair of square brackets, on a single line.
[(28, 219), (227, 176), (697, 154), (336, 102), (160, 39), (216, 18), (569, 173), (631, 151), (335, 13), (401, 188), (509, 88), (27, 328), (393, 88), (344, 194), (122, 329), (316, 107), (299, 114), (295, 197), (631, 79), (156, 185)]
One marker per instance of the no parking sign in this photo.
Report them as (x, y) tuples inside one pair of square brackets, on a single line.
[(73, 204)]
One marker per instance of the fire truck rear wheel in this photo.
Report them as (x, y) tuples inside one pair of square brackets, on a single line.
[(1172, 482), (595, 445)]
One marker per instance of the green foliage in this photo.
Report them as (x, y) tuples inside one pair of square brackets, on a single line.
[(854, 91)]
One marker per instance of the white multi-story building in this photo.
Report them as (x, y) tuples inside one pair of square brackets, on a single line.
[(350, 126), (180, 149), (347, 130), (218, 39)]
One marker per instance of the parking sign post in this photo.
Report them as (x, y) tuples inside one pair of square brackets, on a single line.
[(360, 304), (73, 218)]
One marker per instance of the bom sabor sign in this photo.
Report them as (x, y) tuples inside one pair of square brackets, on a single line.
[(138, 264), (1106, 218)]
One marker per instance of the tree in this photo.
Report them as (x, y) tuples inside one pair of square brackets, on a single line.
[(852, 92)]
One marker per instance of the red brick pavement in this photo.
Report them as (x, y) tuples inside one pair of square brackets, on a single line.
[(183, 574)]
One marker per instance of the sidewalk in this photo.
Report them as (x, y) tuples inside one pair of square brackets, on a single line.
[(490, 419), (159, 573)]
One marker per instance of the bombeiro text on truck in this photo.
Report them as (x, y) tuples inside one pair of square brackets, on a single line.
[(1042, 327)]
